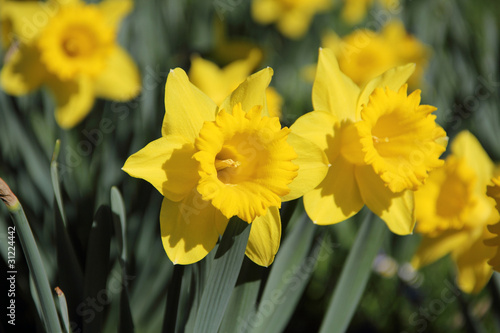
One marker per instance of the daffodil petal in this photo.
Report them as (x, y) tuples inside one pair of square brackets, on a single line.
[(333, 91), (393, 79), (266, 11), (242, 68), (27, 18), (317, 127), (337, 197), (434, 248), (207, 76), (396, 209), (186, 107), (473, 270), (168, 165), (23, 71), (218, 82), (74, 100), (313, 166), (115, 10), (188, 228), (264, 239), (250, 93), (466, 146), (120, 80), (294, 23)]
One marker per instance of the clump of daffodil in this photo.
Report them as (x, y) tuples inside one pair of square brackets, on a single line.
[(73, 53), (453, 212), (354, 11), (218, 82), (215, 162), (493, 191), (292, 17), (365, 54), (380, 143)]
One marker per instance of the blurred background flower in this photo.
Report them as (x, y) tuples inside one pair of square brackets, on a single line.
[(72, 51), (453, 212), (292, 17)]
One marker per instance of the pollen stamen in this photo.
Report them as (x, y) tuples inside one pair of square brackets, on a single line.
[(378, 140), (227, 163)]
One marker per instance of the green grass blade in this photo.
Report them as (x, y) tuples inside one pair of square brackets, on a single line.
[(354, 276), (289, 275), (70, 272), (125, 320), (63, 309), (96, 272), (223, 276), (173, 296), (243, 301), (33, 259)]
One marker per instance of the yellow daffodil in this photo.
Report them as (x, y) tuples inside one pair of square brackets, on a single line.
[(380, 144), (212, 163), (354, 11), (365, 54), (453, 212), (493, 191), (218, 82), (72, 51), (292, 17)]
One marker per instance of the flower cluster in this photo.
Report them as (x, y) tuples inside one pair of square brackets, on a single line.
[(224, 153)]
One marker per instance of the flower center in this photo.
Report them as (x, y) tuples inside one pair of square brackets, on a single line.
[(397, 136), (245, 163), (448, 199), (77, 40)]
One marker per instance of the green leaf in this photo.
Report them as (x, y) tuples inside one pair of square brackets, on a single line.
[(223, 276), (125, 320), (96, 272), (243, 301), (289, 275), (200, 275), (354, 276), (63, 309), (173, 296), (70, 272), (23, 232)]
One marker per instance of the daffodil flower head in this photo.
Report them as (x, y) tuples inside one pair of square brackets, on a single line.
[(381, 141), (73, 52), (215, 162), (454, 213), (78, 40)]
